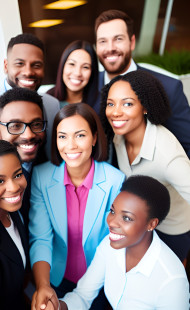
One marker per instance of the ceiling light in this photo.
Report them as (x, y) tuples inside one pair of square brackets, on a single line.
[(44, 23), (64, 4)]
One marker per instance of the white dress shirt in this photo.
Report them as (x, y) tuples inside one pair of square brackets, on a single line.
[(132, 67), (157, 282)]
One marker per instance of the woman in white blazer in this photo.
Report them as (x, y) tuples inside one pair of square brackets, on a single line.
[(70, 199)]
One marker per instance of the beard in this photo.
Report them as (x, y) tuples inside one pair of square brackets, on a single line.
[(119, 68)]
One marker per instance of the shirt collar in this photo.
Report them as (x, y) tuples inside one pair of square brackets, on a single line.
[(88, 181), (6, 85), (132, 67), (27, 166), (148, 145)]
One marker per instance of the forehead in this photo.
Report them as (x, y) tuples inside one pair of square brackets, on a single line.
[(9, 163), (129, 202), (73, 124), (21, 110), (120, 88), (26, 52), (112, 28), (80, 55)]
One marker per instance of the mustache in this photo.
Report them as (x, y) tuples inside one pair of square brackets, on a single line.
[(112, 53)]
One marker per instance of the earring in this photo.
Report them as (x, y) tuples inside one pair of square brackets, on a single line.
[(145, 113), (149, 230)]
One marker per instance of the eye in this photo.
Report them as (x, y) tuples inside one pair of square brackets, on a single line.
[(19, 64), (37, 66), (119, 39), (112, 211), (86, 67), (1, 181), (127, 104), (80, 135), (61, 137), (70, 64), (127, 219), (110, 104), (18, 175)]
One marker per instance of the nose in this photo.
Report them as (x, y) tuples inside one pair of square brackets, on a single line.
[(71, 144), (112, 221), (28, 134), (110, 45), (77, 71), (117, 110), (27, 70), (12, 186)]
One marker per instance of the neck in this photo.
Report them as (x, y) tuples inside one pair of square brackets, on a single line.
[(78, 174), (74, 97), (135, 253), (5, 218)]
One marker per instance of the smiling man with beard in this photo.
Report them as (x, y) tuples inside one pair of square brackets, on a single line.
[(22, 124), (115, 42)]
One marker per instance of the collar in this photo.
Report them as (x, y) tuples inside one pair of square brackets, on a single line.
[(132, 67), (27, 166), (148, 145), (88, 181), (6, 85)]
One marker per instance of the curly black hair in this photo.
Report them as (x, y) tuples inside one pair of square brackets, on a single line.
[(149, 91), (152, 191)]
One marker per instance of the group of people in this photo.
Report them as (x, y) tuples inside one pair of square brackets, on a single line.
[(94, 178)]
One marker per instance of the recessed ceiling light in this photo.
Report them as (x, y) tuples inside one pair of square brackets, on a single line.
[(64, 4), (44, 23)]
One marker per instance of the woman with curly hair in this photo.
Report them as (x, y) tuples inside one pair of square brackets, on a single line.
[(77, 76), (134, 107)]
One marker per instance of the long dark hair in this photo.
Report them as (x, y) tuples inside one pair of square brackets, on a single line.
[(90, 91)]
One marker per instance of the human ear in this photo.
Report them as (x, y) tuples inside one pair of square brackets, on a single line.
[(5, 66), (153, 223), (94, 139), (133, 40)]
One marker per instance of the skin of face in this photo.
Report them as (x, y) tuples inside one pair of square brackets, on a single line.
[(24, 66), (114, 47), (128, 222), (12, 183), (77, 70), (27, 143), (74, 142), (124, 110)]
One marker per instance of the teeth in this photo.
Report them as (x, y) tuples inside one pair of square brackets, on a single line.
[(26, 146), (115, 236), (12, 199), (119, 123), (112, 58), (75, 81), (73, 156), (26, 82)]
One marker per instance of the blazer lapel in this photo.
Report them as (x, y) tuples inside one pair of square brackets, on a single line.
[(57, 200), (95, 200)]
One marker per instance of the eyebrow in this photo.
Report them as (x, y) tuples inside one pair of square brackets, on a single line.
[(15, 172), (78, 131), (124, 211), (122, 98), (19, 120)]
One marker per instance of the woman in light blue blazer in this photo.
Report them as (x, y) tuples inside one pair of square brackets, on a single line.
[(78, 153)]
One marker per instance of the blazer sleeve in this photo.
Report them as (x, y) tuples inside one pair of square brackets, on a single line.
[(40, 228)]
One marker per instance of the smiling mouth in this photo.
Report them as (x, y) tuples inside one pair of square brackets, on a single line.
[(28, 147), (115, 237), (76, 82), (26, 83), (14, 199), (73, 155), (118, 124), (112, 58)]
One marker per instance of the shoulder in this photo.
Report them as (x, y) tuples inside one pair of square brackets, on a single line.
[(109, 169), (48, 99), (45, 169)]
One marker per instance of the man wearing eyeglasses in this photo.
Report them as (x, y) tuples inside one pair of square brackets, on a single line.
[(22, 124)]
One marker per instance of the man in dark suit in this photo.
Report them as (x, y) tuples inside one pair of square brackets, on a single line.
[(22, 124), (115, 41)]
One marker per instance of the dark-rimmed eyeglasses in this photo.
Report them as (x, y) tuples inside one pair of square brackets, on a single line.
[(17, 128)]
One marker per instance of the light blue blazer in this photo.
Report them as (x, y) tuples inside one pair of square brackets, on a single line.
[(48, 214)]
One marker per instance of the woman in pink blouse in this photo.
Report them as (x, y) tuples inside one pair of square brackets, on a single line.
[(70, 199)]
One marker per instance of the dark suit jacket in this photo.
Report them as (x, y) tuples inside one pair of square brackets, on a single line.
[(12, 271), (179, 121)]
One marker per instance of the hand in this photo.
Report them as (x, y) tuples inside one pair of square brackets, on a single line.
[(45, 298)]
